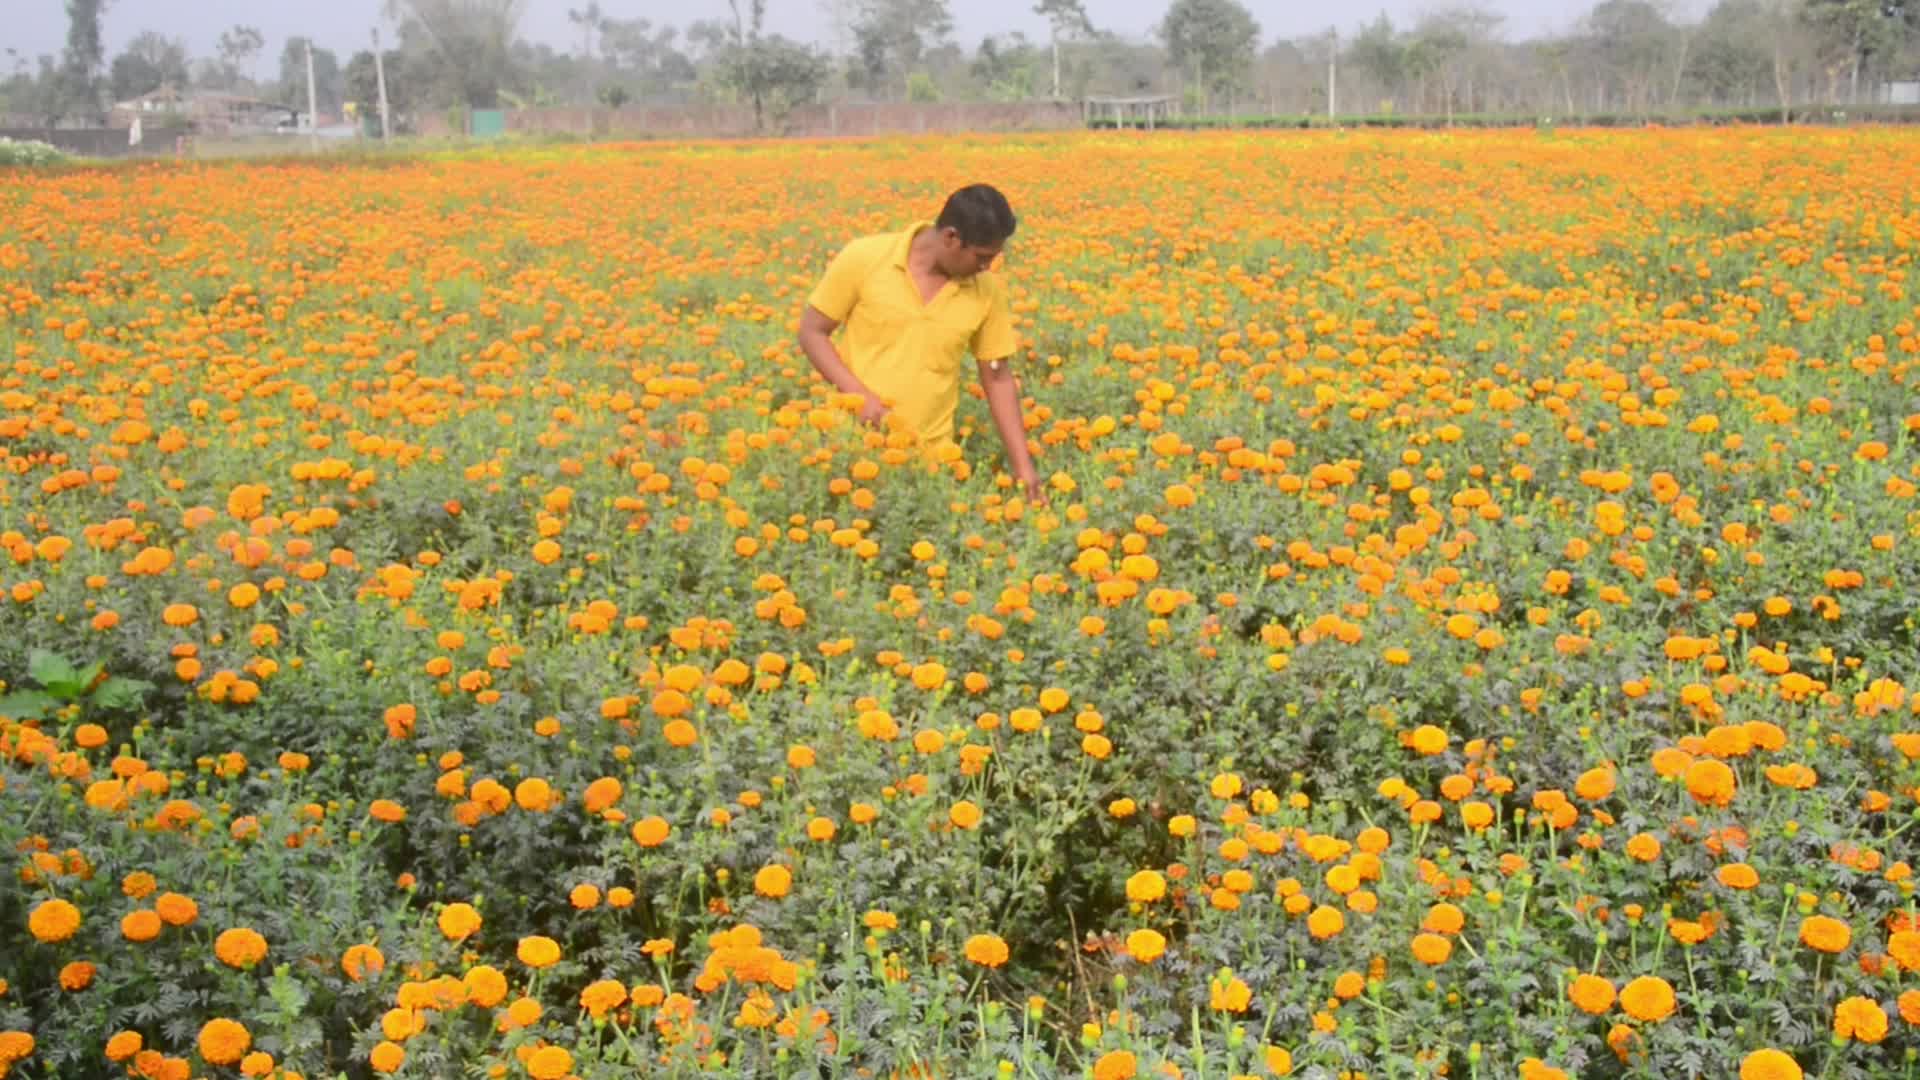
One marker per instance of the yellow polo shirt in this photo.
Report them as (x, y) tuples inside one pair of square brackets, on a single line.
[(906, 351)]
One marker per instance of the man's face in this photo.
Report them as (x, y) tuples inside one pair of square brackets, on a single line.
[(963, 260)]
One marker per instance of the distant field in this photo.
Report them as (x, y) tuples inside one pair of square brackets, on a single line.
[(450, 631)]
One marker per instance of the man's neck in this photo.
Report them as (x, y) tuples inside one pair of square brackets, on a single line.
[(920, 254)]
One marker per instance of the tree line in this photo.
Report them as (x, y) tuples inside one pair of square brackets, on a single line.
[(1622, 56)]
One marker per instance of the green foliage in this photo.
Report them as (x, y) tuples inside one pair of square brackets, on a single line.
[(30, 153), (1212, 42)]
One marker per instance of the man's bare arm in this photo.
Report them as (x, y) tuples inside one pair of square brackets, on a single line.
[(816, 341), (1003, 401)]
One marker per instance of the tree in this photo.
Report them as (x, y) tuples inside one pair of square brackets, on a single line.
[(1847, 33), (591, 20), (362, 84), (461, 49), (1110, 64), (1378, 52), (636, 46), (149, 62), (328, 86), (892, 36), (1005, 69), (1451, 46), (1633, 43), (1733, 63), (1787, 46), (1065, 18), (1213, 41), (79, 87), (237, 47), (769, 71)]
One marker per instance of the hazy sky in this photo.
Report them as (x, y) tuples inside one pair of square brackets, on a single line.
[(39, 26)]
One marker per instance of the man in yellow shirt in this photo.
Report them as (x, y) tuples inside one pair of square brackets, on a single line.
[(914, 303)]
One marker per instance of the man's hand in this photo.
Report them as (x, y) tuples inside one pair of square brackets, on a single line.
[(1035, 487), (873, 411), (1003, 401)]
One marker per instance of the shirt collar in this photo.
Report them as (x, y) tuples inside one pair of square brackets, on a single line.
[(905, 242)]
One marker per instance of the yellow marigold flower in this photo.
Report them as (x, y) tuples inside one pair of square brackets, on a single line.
[(1146, 886), (459, 921), (1146, 946), (536, 951)]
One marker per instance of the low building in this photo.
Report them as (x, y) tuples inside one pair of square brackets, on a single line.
[(1900, 92), (209, 112)]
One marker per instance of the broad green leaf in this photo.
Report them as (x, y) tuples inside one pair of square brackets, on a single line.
[(28, 704), (50, 669), (120, 693)]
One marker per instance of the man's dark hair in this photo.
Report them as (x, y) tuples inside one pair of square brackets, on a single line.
[(980, 214)]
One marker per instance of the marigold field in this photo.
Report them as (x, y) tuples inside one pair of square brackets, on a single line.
[(450, 630)]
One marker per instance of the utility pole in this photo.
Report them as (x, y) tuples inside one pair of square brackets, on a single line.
[(380, 75), (1055, 39), (313, 102), (1333, 72)]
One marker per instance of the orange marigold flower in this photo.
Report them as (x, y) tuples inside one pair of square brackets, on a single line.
[(387, 1057), (1769, 1065), (549, 1063), (1146, 946), (536, 951), (1227, 993), (485, 986), (76, 975), (14, 1045), (1115, 1065), (1648, 999), (359, 961), (459, 921), (773, 881), (1591, 994), (124, 1045), (651, 831), (53, 921), (224, 1042), (964, 815), (1710, 782), (1594, 784), (986, 950), (1325, 922), (240, 947), (1146, 886), (175, 909), (1904, 947), (141, 925), (1431, 949), (1825, 934), (1860, 1018), (601, 997)]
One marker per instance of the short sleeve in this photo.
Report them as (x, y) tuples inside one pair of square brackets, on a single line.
[(838, 289), (995, 338)]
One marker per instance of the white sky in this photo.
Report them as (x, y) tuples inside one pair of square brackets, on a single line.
[(39, 26)]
